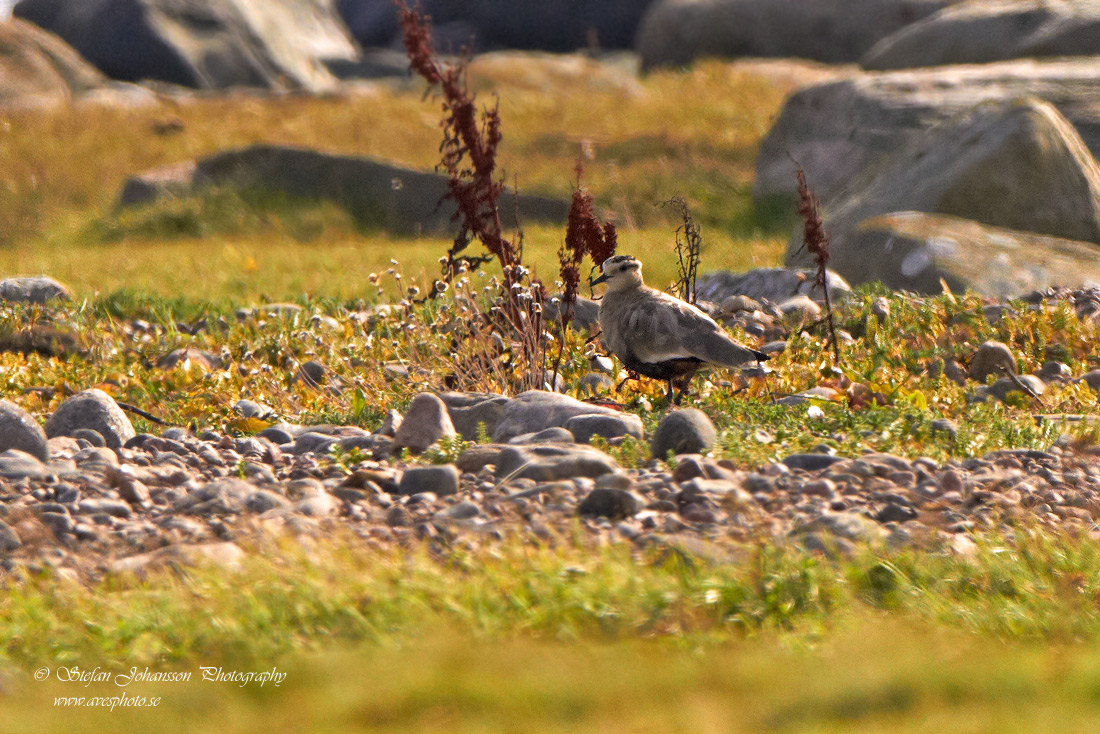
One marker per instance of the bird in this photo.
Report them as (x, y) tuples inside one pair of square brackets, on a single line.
[(658, 335)]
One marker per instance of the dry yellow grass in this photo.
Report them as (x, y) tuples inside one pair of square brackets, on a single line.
[(641, 140)]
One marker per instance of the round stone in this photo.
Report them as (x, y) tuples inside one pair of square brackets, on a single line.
[(992, 358), (92, 409), (687, 431), (19, 430)]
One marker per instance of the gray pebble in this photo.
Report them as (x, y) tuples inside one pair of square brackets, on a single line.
[(609, 503), (441, 480)]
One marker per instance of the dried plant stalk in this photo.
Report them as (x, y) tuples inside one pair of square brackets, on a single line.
[(816, 241), (688, 250), (468, 159)]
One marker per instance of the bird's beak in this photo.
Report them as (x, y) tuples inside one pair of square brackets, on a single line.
[(597, 281)]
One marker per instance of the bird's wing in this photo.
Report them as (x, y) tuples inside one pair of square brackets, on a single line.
[(650, 330), (683, 331)]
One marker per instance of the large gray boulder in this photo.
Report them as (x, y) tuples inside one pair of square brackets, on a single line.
[(549, 25), (376, 193), (550, 462), (38, 68), (913, 251), (1018, 165), (982, 31), (92, 409), (675, 32), (207, 44), (837, 129), (772, 284)]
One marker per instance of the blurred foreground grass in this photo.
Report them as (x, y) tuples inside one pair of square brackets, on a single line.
[(520, 638), (872, 678)]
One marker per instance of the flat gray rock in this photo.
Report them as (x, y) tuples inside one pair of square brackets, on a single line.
[(984, 31), (375, 192), (468, 411), (675, 32), (315, 443), (15, 464), (548, 462), (92, 409), (811, 462), (547, 435), (225, 496), (919, 249), (610, 503), (535, 410), (457, 512), (771, 284), (37, 289), (439, 480), (19, 430), (1024, 384), (586, 427)]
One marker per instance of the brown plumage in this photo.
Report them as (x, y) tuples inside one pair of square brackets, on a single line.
[(657, 335)]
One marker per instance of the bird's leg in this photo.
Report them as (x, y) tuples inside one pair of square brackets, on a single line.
[(669, 396), (683, 383), (630, 375)]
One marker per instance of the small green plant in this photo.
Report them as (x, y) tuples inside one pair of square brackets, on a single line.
[(448, 451), (631, 453), (345, 459)]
